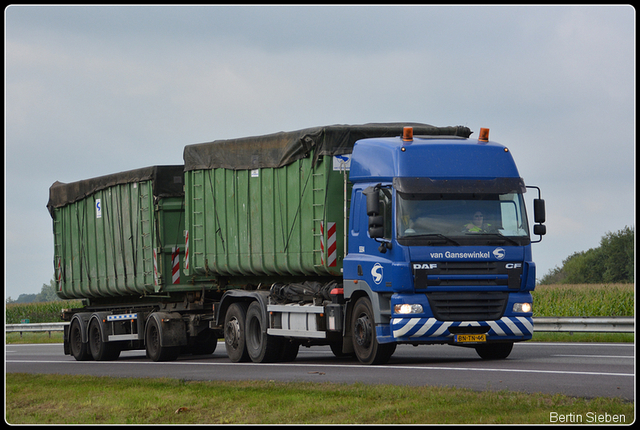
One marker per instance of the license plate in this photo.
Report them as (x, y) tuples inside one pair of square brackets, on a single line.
[(463, 338)]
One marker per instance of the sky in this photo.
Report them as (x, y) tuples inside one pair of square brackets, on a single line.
[(93, 90)]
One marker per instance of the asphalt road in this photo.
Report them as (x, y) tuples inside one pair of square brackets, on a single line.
[(575, 369)]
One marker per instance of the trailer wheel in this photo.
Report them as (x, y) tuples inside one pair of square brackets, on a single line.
[(101, 351), (365, 344), (155, 351), (79, 350), (496, 351), (262, 348), (234, 332)]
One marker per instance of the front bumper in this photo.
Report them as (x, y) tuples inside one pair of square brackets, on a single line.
[(430, 330)]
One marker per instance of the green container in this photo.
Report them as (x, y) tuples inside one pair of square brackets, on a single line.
[(285, 221), (116, 235), (274, 205)]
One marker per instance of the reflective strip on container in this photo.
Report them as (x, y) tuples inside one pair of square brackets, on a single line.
[(186, 250), (155, 268), (332, 254), (175, 265), (59, 273)]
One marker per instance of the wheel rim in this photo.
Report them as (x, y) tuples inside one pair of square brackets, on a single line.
[(232, 333), (363, 331), (154, 340), (95, 341)]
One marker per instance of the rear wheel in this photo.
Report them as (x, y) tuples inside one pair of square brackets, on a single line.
[(79, 350), (234, 332), (155, 351), (100, 350), (363, 329), (262, 348)]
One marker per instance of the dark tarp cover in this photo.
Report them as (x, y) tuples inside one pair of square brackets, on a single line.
[(280, 149), (166, 181)]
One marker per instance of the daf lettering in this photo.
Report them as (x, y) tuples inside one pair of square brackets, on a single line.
[(427, 266)]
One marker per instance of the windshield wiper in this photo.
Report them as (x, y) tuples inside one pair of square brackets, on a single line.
[(432, 235), (497, 236)]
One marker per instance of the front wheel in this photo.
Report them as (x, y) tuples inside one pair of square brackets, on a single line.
[(363, 329), (496, 351)]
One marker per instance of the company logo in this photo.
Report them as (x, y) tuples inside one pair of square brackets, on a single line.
[(426, 266), (498, 253), (376, 272)]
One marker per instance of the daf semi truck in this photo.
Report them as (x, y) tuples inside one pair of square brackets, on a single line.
[(360, 237)]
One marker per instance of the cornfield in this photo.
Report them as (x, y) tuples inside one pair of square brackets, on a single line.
[(583, 300), (38, 312)]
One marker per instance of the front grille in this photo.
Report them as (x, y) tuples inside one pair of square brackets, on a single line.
[(458, 274), (468, 306)]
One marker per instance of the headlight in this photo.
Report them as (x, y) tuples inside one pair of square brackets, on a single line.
[(408, 309), (522, 307)]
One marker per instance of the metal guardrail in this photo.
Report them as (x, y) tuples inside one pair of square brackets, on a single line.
[(585, 324), (540, 324), (13, 328)]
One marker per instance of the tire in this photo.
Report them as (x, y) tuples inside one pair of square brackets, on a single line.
[(496, 351), (100, 350), (262, 348), (79, 350), (205, 343), (155, 351), (365, 344), (336, 348), (234, 332), (290, 350)]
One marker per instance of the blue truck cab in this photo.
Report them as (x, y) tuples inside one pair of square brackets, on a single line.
[(439, 241)]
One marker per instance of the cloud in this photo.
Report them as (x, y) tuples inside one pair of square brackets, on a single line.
[(95, 90)]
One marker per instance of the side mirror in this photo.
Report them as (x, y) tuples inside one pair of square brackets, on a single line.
[(539, 213), (373, 202), (376, 227), (540, 229)]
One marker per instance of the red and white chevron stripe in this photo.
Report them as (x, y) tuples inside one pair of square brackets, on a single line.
[(59, 273), (175, 265), (155, 267), (186, 250), (332, 253)]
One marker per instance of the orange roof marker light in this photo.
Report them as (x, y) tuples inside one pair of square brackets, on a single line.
[(484, 135), (407, 134)]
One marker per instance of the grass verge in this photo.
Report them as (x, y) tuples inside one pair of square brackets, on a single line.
[(66, 399)]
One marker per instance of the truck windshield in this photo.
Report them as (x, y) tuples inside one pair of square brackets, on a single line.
[(468, 218)]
